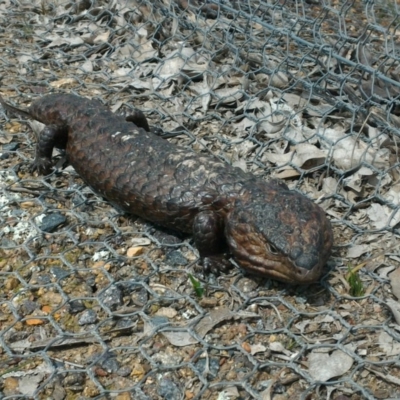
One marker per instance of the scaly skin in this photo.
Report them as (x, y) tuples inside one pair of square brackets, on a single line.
[(269, 229)]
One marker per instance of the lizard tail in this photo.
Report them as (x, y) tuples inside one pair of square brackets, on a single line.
[(12, 109)]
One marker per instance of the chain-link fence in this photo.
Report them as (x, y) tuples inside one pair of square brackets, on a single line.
[(98, 304)]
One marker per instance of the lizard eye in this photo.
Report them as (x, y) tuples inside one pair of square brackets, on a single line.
[(272, 249)]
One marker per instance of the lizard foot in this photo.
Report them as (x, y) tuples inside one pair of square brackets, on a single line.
[(216, 264), (42, 165)]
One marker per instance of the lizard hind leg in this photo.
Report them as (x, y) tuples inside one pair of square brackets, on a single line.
[(139, 119)]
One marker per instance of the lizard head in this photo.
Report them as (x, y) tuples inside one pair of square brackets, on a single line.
[(282, 235)]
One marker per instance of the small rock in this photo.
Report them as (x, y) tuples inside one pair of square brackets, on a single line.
[(124, 396), (13, 146), (134, 251), (11, 283), (175, 258), (124, 371), (169, 390), (29, 306), (76, 306), (88, 317), (59, 273), (7, 148), (74, 379), (247, 285), (52, 221), (10, 386), (112, 297), (110, 364)]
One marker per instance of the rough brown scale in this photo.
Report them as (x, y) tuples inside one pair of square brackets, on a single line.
[(269, 229)]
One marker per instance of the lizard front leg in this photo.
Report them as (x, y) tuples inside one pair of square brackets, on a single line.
[(208, 234), (50, 137)]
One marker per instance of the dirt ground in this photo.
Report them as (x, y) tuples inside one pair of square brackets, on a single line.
[(98, 304)]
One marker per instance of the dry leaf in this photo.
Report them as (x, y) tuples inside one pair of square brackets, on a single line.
[(203, 326), (63, 82), (394, 308), (390, 346), (381, 216), (305, 156), (357, 250), (395, 282), (324, 366), (257, 348), (349, 151)]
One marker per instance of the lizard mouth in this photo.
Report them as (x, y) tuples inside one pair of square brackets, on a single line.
[(257, 256), (279, 267)]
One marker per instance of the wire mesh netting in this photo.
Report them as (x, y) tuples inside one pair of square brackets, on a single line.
[(98, 304)]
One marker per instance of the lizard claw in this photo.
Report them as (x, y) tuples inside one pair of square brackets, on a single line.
[(41, 165), (216, 264)]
